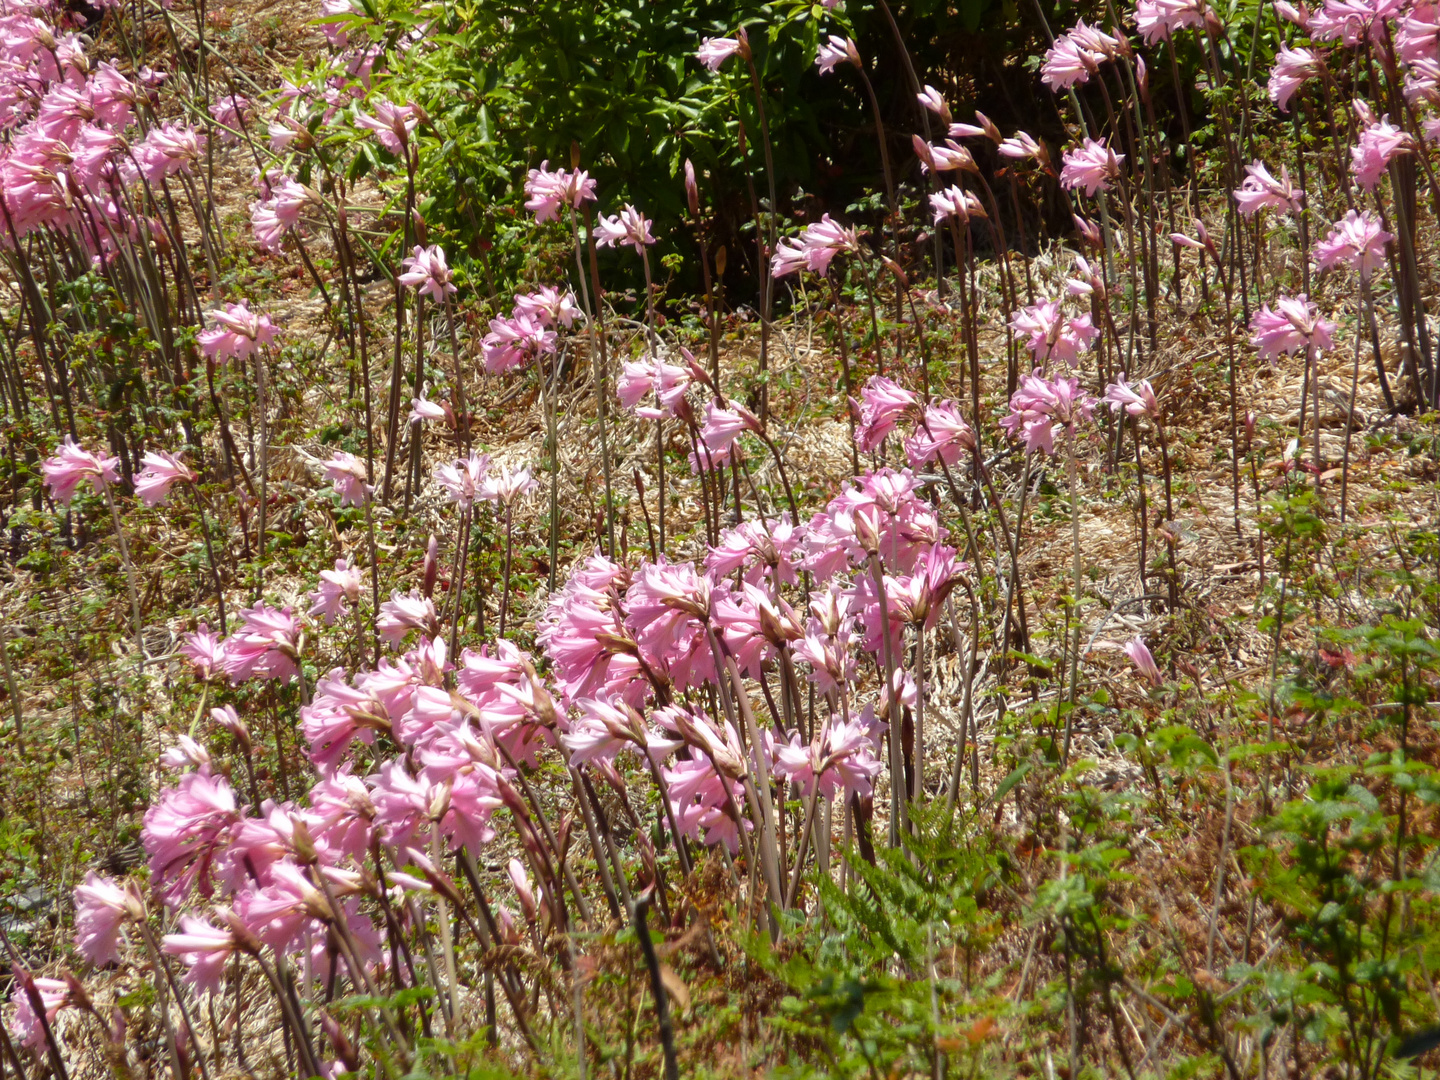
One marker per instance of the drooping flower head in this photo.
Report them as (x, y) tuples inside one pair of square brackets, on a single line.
[(161, 471), (1292, 68), (236, 333), (72, 465), (818, 244), (836, 50), (713, 52), (1260, 189), (392, 124), (1138, 400), (102, 906), (942, 433), (427, 272), (1046, 332), (882, 403), (1092, 166), (1294, 324), (1356, 240), (629, 227), (514, 342), (1144, 662), (1158, 19), (546, 192), (957, 203), (1380, 143), (461, 479), (1040, 407), (347, 473)]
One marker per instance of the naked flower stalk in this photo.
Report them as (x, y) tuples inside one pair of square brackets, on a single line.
[(427, 272), (1358, 241), (1039, 410), (712, 54), (161, 471), (1294, 324), (347, 474), (238, 334), (72, 466), (630, 228), (504, 487), (1139, 401)]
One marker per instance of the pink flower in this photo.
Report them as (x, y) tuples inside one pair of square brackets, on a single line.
[(627, 227), (462, 479), (204, 950), (1046, 332), (185, 830), (945, 158), (1145, 663), (1075, 57), (1136, 401), (931, 98), (426, 271), (639, 378), (1296, 15), (759, 546), (957, 203), (882, 403), (839, 50), (1292, 68), (423, 409), (185, 754), (842, 757), (1090, 166), (1351, 21), (1158, 19), (265, 646), (112, 96), (548, 306), (1260, 189), (392, 125), (230, 720), (715, 51), (401, 614), (1021, 146), (514, 342), (817, 245), (1295, 324), (205, 650), (1379, 144), (168, 149), (236, 333), (71, 465), (54, 996), (546, 192), (101, 908), (1417, 35), (943, 434), (227, 112), (1357, 240), (503, 486), (1041, 406), (723, 426), (347, 473), (336, 587)]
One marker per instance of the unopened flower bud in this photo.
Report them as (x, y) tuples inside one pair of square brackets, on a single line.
[(432, 566), (692, 189), (340, 1042)]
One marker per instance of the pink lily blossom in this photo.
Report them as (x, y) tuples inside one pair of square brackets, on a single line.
[(73, 465), (427, 272), (1356, 240)]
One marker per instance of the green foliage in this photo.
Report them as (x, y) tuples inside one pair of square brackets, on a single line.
[(886, 974)]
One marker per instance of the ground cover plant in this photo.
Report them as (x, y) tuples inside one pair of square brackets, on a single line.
[(729, 539)]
